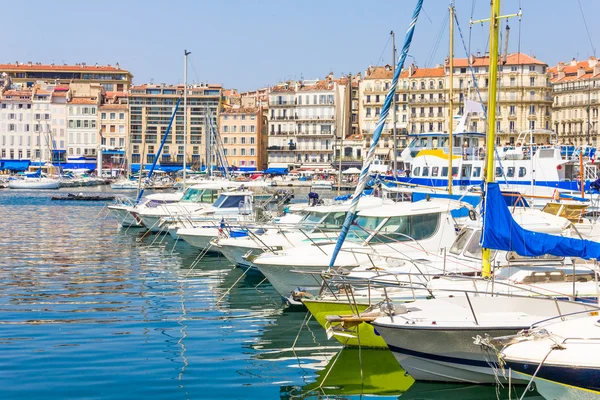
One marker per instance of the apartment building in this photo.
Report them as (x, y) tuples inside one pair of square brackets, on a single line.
[(524, 93), (16, 125), (420, 105), (82, 121), (112, 78), (243, 132), (576, 91), (303, 121), (113, 120), (151, 107)]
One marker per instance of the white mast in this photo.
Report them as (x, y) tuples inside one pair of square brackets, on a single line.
[(185, 118)]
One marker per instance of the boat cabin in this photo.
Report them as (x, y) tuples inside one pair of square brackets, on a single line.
[(465, 143), (404, 221)]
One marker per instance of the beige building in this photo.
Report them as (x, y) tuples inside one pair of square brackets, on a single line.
[(112, 78), (305, 121), (113, 120), (576, 91), (151, 107), (420, 105), (524, 93), (243, 132)]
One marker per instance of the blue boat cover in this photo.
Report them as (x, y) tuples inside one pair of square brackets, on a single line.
[(501, 232), (14, 165), (276, 171)]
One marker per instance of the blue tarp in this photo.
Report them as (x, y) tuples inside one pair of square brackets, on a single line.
[(461, 212), (501, 232), (14, 165), (73, 165), (246, 169), (276, 171)]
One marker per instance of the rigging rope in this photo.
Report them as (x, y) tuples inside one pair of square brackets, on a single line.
[(364, 175)]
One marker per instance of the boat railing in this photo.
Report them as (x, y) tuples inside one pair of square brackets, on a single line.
[(332, 278)]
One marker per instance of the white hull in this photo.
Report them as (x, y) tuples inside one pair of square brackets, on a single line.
[(124, 186), (235, 255), (43, 184), (200, 238), (125, 218), (285, 281)]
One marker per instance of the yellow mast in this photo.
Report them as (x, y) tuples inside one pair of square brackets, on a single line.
[(451, 100), (486, 267)]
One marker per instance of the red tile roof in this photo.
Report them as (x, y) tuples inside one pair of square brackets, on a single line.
[(511, 59), (51, 67), (571, 71), (83, 100), (380, 73), (240, 110)]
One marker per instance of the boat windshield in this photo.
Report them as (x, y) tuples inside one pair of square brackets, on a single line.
[(472, 249), (461, 241), (310, 220), (227, 201), (334, 220), (364, 226), (199, 196), (407, 227)]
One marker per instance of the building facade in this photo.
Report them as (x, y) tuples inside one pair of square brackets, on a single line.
[(243, 136), (113, 120), (524, 93), (16, 125), (151, 107), (82, 121), (112, 78), (303, 122), (576, 91)]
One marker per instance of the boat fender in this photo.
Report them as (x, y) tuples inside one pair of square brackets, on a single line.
[(472, 215)]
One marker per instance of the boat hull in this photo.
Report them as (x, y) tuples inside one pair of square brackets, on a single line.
[(285, 281), (33, 184), (320, 309), (550, 389), (444, 355), (201, 239), (122, 214)]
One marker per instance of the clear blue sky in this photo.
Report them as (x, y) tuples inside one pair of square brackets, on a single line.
[(254, 43)]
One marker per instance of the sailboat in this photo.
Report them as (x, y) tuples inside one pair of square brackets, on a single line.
[(35, 180)]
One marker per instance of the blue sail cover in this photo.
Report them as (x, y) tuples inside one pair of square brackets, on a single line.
[(501, 232)]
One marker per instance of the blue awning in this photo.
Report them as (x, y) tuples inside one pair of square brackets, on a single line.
[(58, 151), (113, 152), (247, 169), (73, 165), (14, 165), (276, 171)]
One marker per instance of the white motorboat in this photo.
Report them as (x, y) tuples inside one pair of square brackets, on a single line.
[(320, 225), (123, 206), (433, 340), (194, 199), (124, 184), (560, 356), (210, 222), (34, 183), (396, 230)]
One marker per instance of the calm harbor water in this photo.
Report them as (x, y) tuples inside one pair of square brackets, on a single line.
[(90, 310)]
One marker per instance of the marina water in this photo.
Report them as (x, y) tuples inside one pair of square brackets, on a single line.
[(90, 310)]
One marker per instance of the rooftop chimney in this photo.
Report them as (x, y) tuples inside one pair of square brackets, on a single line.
[(573, 62), (592, 61), (580, 72), (560, 66)]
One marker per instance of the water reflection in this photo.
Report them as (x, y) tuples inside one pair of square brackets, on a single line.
[(90, 310)]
